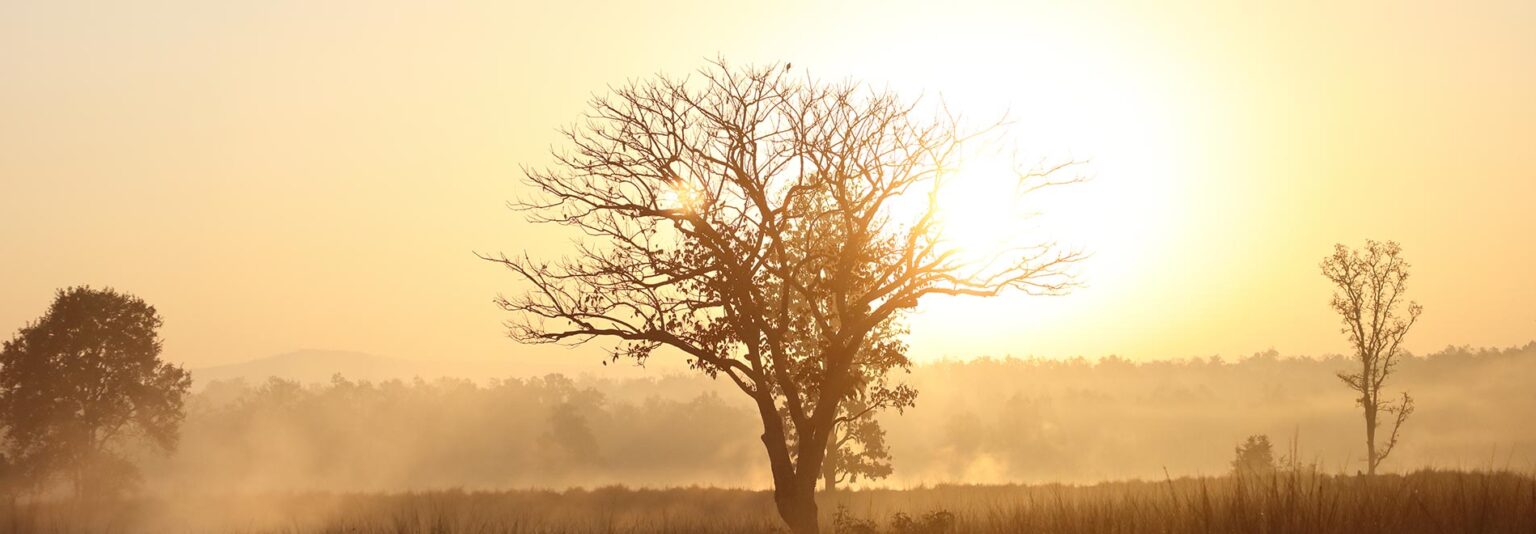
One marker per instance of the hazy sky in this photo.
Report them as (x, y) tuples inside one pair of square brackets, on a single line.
[(279, 175)]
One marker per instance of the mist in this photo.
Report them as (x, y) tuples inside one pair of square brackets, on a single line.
[(987, 420)]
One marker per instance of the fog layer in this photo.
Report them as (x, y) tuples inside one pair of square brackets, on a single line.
[(978, 421)]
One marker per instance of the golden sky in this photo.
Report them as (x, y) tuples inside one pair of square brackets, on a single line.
[(282, 174)]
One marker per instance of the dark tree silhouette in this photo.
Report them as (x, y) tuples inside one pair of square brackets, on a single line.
[(755, 223), (1368, 297), (569, 434), (1256, 455), (82, 380), (857, 447)]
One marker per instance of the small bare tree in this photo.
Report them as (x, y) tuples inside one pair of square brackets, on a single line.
[(761, 225), (1369, 286)]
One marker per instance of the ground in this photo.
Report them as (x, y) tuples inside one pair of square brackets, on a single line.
[(1425, 501)]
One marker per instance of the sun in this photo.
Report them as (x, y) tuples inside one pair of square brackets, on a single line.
[(982, 210)]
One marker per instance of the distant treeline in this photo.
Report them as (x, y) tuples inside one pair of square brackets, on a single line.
[(540, 432), (977, 421), (1077, 420)]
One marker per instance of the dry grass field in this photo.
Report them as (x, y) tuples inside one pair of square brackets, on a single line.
[(1421, 502)]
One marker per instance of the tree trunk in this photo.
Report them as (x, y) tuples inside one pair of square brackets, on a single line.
[(794, 492), (794, 482), (1370, 436), (829, 466), (1368, 402), (77, 480), (797, 506)]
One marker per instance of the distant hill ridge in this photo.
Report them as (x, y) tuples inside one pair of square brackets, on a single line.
[(318, 366), (315, 366)]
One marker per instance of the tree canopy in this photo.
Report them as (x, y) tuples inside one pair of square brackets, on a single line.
[(772, 229), (80, 382)]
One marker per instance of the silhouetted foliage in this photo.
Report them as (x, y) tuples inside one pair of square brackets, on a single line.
[(1254, 456), (1370, 283), (81, 381), (857, 448), (935, 522), (753, 222), (844, 522), (569, 433)]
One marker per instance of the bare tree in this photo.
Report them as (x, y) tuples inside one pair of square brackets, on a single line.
[(1369, 286), (761, 225)]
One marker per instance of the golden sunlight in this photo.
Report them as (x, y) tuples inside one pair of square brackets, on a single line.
[(979, 209), (793, 266)]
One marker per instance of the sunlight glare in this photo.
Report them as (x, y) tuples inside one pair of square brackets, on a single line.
[(980, 209)]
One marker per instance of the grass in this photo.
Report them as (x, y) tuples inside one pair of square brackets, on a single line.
[(1421, 502)]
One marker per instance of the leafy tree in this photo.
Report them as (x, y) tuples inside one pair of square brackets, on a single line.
[(857, 448), (1369, 294), (772, 230), (82, 381), (1254, 456), (569, 434)]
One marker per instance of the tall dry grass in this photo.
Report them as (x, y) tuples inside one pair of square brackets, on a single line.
[(1292, 502)]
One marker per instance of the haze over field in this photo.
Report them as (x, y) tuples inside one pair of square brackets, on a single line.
[(981, 421)]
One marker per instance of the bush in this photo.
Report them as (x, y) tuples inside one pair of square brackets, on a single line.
[(1254, 456)]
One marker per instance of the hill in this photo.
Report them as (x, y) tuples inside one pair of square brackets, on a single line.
[(318, 366)]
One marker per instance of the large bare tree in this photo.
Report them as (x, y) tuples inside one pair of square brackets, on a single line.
[(1369, 286), (772, 229)]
